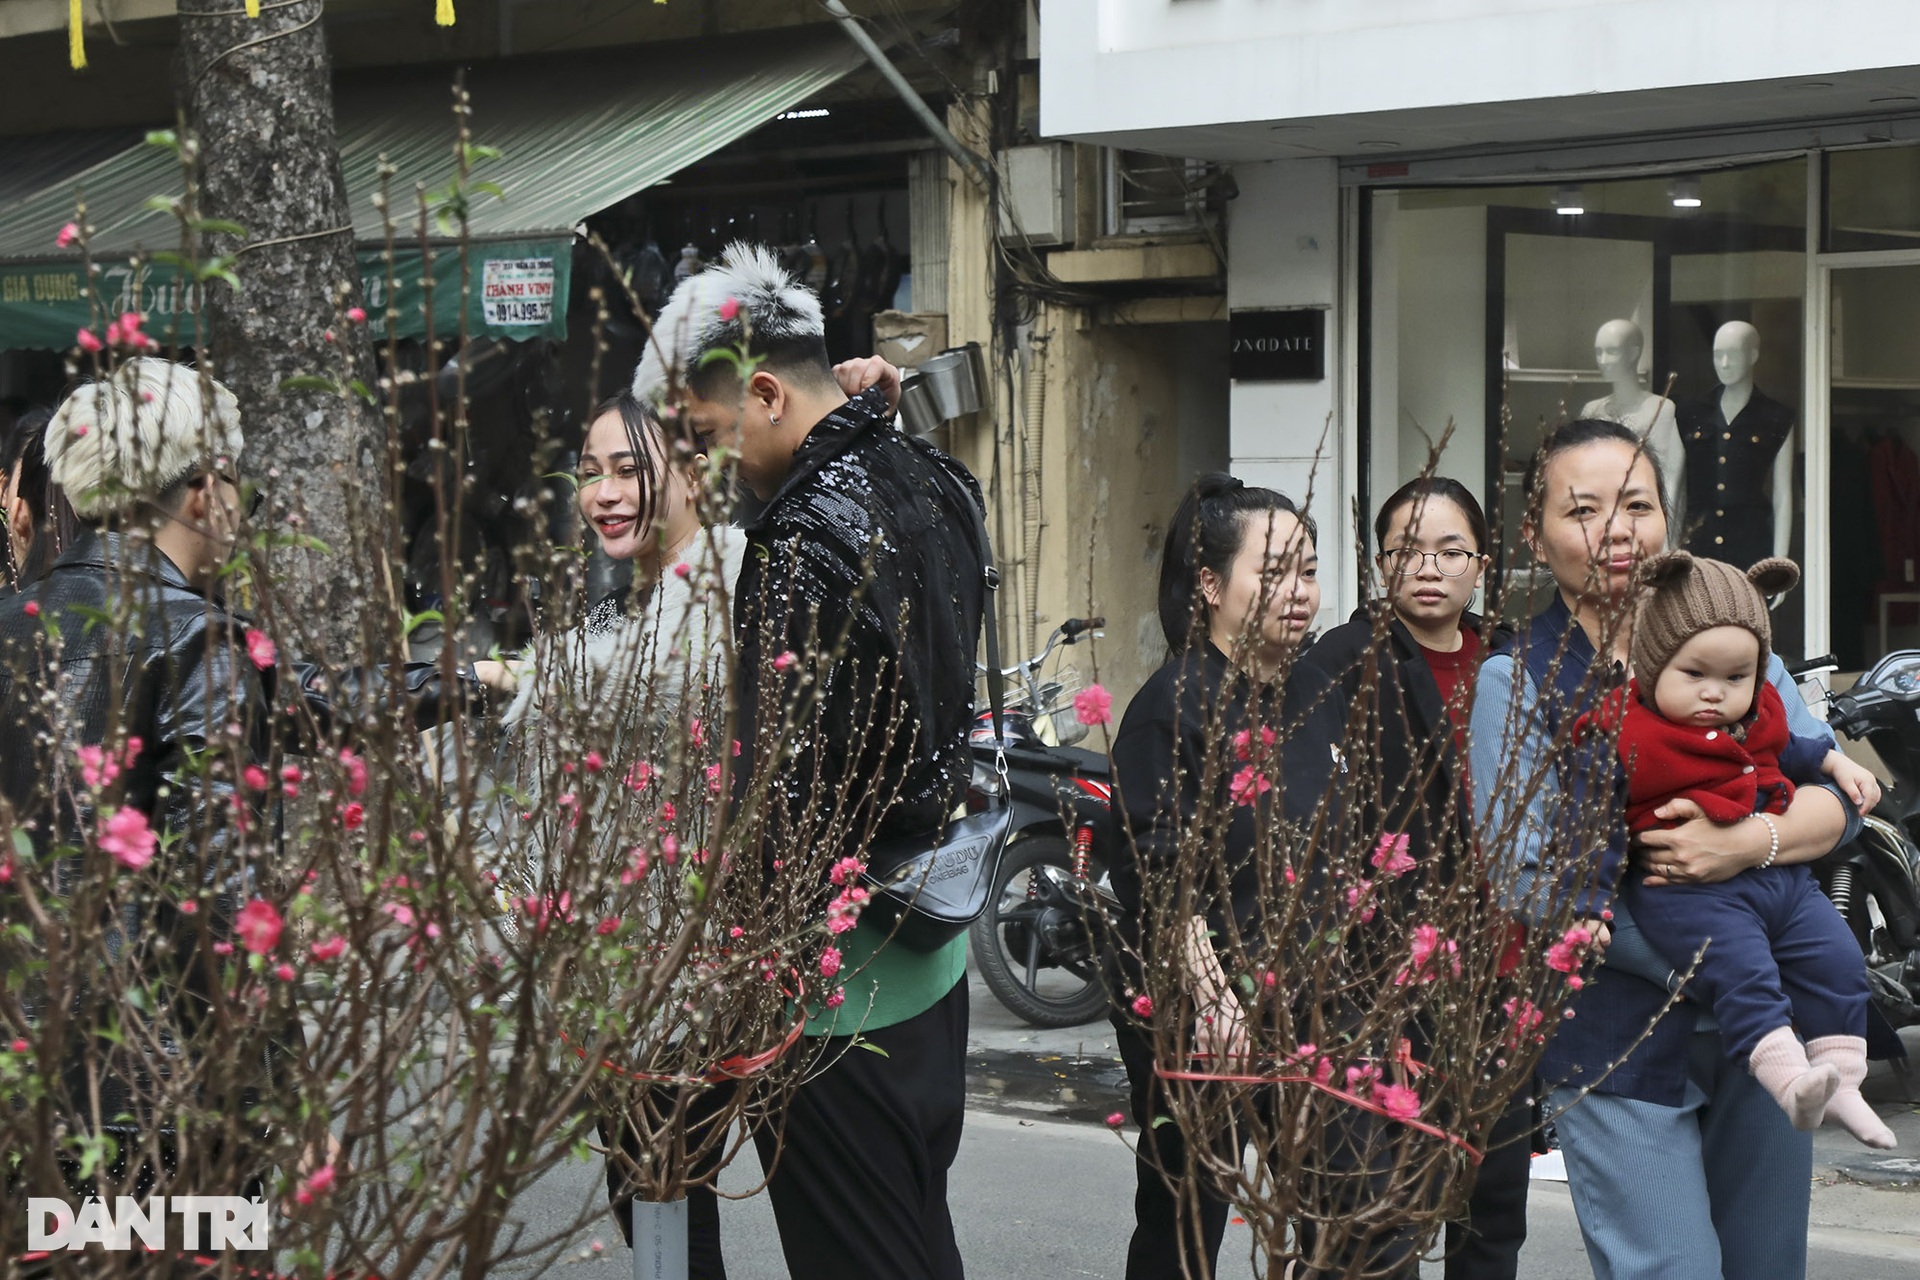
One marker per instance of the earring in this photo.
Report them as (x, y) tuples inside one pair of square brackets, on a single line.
[(773, 419)]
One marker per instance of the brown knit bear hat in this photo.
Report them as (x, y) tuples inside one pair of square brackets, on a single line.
[(1689, 594)]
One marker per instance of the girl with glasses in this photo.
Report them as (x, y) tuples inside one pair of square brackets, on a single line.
[(1424, 645)]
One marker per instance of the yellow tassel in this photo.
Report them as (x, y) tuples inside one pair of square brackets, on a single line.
[(443, 13), (76, 40), (253, 8)]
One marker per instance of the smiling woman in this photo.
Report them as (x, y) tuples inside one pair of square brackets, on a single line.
[(640, 501)]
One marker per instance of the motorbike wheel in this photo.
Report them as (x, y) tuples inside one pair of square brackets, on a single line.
[(1010, 939)]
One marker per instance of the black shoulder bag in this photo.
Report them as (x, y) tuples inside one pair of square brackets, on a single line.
[(929, 888)]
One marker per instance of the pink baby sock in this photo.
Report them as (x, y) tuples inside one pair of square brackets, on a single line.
[(1803, 1090), (1847, 1055)]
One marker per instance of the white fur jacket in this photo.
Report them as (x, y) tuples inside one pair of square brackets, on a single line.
[(639, 660), (613, 685)]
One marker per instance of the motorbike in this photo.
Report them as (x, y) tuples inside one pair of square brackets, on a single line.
[(1038, 944), (1874, 880)]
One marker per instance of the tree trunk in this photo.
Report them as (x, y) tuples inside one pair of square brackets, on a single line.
[(258, 94)]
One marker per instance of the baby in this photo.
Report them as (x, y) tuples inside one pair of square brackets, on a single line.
[(1700, 721)]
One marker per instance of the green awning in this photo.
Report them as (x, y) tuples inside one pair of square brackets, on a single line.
[(570, 145), (518, 289)]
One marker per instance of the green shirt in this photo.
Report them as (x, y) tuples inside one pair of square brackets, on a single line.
[(885, 983)]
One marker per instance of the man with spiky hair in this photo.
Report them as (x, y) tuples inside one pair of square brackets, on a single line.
[(866, 564)]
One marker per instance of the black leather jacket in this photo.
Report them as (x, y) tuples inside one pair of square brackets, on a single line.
[(175, 674)]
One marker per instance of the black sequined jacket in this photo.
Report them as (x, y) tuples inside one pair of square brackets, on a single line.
[(869, 557)]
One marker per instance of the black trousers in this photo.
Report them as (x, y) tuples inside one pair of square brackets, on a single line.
[(860, 1184), (1164, 1247)]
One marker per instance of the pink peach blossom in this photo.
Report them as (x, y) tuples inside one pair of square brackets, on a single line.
[(1243, 742), (260, 649), (258, 926), (1249, 785), (128, 838), (1093, 705), (1391, 856), (1397, 1100), (356, 772)]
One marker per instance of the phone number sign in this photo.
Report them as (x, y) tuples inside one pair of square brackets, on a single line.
[(517, 291)]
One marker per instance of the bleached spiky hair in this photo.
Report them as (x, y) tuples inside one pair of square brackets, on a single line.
[(769, 304), (138, 432)]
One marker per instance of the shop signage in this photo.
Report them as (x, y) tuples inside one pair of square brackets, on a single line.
[(1278, 346), (514, 290), (517, 291)]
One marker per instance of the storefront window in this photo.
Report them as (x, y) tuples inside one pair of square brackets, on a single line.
[(1504, 310), (1873, 199), (1874, 313)]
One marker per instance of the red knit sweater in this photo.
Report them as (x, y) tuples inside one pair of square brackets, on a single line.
[(1711, 767)]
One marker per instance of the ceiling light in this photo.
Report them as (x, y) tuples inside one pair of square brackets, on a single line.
[(1814, 84), (1892, 99), (1567, 201), (804, 113), (1380, 145), (1685, 193)]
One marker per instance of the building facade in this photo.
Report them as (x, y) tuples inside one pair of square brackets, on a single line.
[(1509, 212)]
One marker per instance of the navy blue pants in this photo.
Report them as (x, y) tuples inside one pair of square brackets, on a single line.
[(1780, 954)]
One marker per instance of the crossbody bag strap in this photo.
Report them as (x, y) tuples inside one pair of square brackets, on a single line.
[(996, 682)]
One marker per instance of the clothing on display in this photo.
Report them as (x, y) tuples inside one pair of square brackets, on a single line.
[(1729, 467)]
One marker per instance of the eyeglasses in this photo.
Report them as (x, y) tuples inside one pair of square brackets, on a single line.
[(1404, 562)]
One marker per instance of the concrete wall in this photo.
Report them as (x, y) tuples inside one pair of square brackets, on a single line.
[(1111, 64), (1283, 250), (1132, 413)]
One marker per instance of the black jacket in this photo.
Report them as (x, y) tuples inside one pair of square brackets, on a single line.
[(1175, 747), (175, 675), (1397, 730), (870, 548)]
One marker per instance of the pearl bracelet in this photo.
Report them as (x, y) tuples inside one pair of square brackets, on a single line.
[(1773, 850)]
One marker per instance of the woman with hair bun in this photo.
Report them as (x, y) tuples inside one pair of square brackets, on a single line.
[(1239, 589)]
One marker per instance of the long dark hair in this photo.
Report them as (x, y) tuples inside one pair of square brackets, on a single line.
[(1208, 529), (1430, 487), (645, 437), (23, 462), (653, 444), (1572, 435)]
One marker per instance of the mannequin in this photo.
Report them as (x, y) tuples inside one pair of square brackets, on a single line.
[(1617, 349), (1734, 441)]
